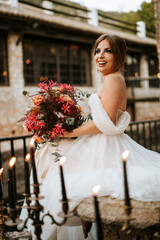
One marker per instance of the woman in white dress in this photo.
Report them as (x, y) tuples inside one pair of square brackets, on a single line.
[(94, 157)]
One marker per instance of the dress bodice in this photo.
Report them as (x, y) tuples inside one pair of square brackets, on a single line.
[(103, 121)]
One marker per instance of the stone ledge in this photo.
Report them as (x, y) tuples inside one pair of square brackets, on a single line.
[(145, 218)]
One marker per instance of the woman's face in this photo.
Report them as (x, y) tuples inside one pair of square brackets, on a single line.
[(104, 58)]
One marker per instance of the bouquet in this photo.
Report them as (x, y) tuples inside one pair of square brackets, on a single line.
[(55, 110)]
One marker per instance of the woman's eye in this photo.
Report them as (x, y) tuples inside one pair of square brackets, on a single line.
[(97, 51), (108, 50)]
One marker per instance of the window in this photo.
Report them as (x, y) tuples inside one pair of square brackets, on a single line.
[(132, 65), (153, 71), (58, 60), (153, 66), (3, 59), (132, 69)]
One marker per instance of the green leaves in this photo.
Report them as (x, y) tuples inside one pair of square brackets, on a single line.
[(70, 121), (57, 156)]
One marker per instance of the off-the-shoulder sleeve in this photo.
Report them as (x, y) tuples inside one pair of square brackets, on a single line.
[(103, 121)]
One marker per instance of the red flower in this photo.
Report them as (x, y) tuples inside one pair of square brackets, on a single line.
[(60, 100), (53, 134), (40, 124), (52, 84), (43, 86), (31, 121), (66, 86), (59, 130), (66, 108)]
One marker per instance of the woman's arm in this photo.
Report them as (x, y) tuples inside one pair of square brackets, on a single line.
[(85, 129)]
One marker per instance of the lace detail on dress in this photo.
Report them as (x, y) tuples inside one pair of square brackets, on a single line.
[(102, 120)]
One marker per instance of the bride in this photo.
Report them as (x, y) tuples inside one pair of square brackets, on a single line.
[(94, 157)]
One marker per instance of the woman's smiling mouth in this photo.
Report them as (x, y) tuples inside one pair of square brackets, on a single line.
[(101, 63)]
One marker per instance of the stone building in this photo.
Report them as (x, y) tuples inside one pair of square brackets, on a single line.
[(54, 39)]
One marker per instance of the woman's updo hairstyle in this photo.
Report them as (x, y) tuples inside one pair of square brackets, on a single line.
[(118, 47)]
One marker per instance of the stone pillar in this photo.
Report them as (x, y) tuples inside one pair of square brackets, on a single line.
[(144, 70), (93, 17), (15, 62), (48, 5), (14, 3), (12, 103), (141, 28)]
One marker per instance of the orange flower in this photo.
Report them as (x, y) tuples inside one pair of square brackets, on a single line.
[(37, 100), (35, 110), (80, 109), (38, 139)]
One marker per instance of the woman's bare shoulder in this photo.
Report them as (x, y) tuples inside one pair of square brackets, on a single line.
[(114, 79)]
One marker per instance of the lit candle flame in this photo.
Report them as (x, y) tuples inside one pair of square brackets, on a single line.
[(27, 157), (96, 189), (32, 142), (12, 161), (1, 170), (125, 155), (62, 160), (158, 75)]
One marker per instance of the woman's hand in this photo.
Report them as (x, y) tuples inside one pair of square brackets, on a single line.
[(67, 134), (85, 129)]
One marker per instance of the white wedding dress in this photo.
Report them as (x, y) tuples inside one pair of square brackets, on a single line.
[(95, 159)]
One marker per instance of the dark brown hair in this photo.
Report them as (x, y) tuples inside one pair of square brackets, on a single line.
[(118, 47)]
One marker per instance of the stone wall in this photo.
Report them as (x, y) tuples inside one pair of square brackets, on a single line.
[(144, 218), (147, 110), (12, 102)]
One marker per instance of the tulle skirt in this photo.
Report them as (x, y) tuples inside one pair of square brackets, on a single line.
[(90, 160)]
